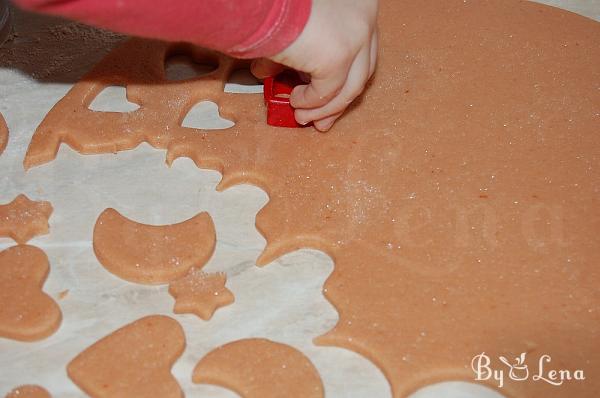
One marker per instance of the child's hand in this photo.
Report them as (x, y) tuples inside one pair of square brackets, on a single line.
[(338, 49)]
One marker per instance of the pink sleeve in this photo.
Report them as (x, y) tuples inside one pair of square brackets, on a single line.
[(242, 28)]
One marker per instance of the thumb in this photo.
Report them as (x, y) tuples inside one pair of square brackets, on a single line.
[(263, 67)]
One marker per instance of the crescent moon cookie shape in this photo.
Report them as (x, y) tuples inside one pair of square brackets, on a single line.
[(260, 368), (133, 361), (152, 254), (26, 312), (3, 134)]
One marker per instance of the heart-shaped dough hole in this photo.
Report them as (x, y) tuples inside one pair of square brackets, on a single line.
[(205, 115), (183, 67), (112, 99)]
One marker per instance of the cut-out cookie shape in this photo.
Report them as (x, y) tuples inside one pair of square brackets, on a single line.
[(3, 134), (152, 254), (164, 103), (260, 368), (200, 293), (22, 219), (113, 99), (26, 312), (133, 361), (28, 391), (205, 116)]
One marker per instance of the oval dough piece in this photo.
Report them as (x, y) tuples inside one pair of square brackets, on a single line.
[(29, 391), (152, 254), (260, 368), (133, 361), (3, 134), (26, 312)]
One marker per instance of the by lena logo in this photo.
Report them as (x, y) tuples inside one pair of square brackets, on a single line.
[(518, 370)]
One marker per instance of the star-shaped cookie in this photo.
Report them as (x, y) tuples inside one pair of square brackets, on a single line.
[(22, 219), (200, 293)]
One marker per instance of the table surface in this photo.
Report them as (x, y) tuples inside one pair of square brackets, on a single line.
[(282, 302)]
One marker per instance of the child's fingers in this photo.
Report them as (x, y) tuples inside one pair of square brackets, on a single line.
[(354, 85), (322, 88), (263, 67), (374, 52), (324, 125)]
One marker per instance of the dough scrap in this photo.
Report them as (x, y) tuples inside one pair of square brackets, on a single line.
[(22, 219), (200, 293), (457, 198), (28, 391), (3, 134), (151, 254), (26, 312), (260, 368), (90, 132), (133, 361)]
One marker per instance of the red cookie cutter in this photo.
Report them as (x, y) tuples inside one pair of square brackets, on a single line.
[(277, 98)]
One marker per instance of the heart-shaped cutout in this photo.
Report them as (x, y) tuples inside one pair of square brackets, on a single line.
[(113, 99), (205, 116)]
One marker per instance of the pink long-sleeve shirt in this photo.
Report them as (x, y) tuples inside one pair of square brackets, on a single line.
[(241, 28)]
